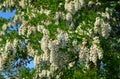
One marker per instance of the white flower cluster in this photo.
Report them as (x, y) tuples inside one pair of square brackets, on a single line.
[(4, 28), (107, 14), (90, 3), (57, 57), (76, 46), (105, 31), (8, 3), (30, 50), (101, 27), (22, 30), (44, 47), (3, 58), (17, 19), (95, 51), (72, 7), (51, 51), (44, 74), (9, 47), (92, 54), (97, 25), (58, 17), (62, 38), (31, 30), (44, 44), (37, 60), (22, 3), (84, 52), (54, 53), (14, 45), (45, 11), (40, 28)]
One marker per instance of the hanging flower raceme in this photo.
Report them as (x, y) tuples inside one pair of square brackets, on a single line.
[(62, 38), (84, 52), (44, 44), (31, 30), (37, 60), (30, 50), (101, 27), (95, 50), (106, 29)]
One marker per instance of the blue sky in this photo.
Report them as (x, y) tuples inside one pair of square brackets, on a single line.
[(8, 15)]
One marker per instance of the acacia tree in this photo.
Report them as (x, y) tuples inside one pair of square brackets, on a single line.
[(68, 39)]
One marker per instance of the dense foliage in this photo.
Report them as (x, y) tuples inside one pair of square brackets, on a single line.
[(66, 39)]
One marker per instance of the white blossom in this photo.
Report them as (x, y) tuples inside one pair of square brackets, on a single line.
[(105, 31), (90, 3), (30, 50), (106, 15), (54, 49), (76, 46), (82, 2), (15, 42), (37, 60), (95, 51), (8, 46), (22, 3), (31, 30), (44, 73), (69, 6), (69, 17), (84, 51), (22, 30), (77, 5), (40, 28), (97, 21), (63, 38), (4, 27)]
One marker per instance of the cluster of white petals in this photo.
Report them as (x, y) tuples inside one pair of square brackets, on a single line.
[(62, 38), (59, 16), (37, 60), (102, 27), (5, 28), (30, 50), (72, 7), (22, 30), (51, 52), (31, 30), (106, 29), (90, 54), (45, 11), (22, 3), (9, 47), (3, 58), (57, 57), (40, 28), (84, 52), (95, 50), (76, 46), (8, 3), (44, 73), (44, 45)]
